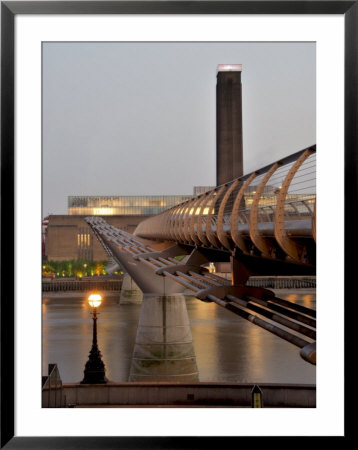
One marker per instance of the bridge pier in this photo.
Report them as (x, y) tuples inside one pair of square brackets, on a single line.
[(164, 348), (130, 292)]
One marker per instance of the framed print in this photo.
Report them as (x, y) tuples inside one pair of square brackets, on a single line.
[(35, 38)]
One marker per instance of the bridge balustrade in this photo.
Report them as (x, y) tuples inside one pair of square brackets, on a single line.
[(269, 212)]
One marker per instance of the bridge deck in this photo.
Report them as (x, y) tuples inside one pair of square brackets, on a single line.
[(291, 322)]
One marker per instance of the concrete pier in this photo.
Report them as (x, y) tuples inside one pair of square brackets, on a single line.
[(130, 292), (164, 348)]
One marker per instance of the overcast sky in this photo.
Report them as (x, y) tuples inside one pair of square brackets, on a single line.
[(140, 118)]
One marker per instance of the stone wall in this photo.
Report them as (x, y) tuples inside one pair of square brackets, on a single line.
[(189, 394)]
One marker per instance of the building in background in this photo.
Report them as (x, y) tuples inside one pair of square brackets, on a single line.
[(126, 205), (43, 236), (229, 159), (69, 237)]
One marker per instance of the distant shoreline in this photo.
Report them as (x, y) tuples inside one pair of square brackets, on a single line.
[(75, 294)]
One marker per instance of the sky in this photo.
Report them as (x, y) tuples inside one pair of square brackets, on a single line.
[(140, 118)]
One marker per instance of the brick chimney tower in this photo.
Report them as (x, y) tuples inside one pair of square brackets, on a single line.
[(229, 161)]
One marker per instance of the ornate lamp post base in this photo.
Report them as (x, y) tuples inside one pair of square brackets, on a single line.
[(94, 372)]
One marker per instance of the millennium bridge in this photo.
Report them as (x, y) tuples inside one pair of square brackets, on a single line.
[(263, 223)]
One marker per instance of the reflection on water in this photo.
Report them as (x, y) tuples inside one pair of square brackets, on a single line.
[(67, 336), (227, 347)]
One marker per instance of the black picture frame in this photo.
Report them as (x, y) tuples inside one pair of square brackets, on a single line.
[(9, 9)]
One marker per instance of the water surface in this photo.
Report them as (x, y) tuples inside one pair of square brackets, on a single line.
[(227, 347)]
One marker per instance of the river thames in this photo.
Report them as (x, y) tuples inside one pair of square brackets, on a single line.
[(227, 347)]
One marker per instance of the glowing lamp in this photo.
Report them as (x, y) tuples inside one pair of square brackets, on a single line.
[(94, 300)]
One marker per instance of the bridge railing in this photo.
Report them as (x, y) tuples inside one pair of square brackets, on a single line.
[(270, 212)]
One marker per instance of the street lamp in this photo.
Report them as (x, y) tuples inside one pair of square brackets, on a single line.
[(94, 370)]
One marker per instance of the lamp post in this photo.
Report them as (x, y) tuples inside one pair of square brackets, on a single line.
[(94, 372)]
